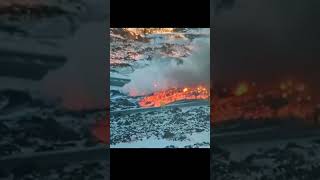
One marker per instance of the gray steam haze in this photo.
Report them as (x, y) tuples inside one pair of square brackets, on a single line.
[(165, 73), (81, 82)]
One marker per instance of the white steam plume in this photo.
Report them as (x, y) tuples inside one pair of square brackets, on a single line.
[(164, 73)]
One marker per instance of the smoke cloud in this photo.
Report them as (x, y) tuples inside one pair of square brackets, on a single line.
[(81, 82), (165, 73)]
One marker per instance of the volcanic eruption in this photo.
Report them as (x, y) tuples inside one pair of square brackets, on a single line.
[(165, 97), (167, 80)]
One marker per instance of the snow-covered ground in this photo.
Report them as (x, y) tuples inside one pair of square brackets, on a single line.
[(30, 125), (176, 127), (286, 159), (154, 142), (80, 170), (279, 149)]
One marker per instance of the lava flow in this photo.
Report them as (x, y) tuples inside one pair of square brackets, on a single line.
[(279, 100), (165, 97)]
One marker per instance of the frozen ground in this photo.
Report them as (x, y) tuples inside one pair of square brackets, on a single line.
[(176, 127), (279, 149), (130, 51), (154, 142), (268, 161), (97, 170)]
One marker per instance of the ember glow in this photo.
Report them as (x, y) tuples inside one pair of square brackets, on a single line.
[(165, 97), (285, 99)]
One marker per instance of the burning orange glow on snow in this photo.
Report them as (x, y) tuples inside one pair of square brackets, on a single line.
[(164, 97), (241, 89)]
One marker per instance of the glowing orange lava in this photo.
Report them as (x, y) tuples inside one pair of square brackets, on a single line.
[(164, 97), (286, 99)]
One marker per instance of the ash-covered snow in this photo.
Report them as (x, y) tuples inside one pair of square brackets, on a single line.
[(278, 149), (31, 125), (154, 142), (173, 127), (126, 50), (287, 160), (34, 18), (81, 170)]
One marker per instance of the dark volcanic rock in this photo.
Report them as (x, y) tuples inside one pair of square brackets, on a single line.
[(15, 98), (175, 125), (168, 135), (28, 67)]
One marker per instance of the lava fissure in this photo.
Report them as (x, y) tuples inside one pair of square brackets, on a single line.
[(168, 96)]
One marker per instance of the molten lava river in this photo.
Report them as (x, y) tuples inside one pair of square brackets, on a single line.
[(165, 97)]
